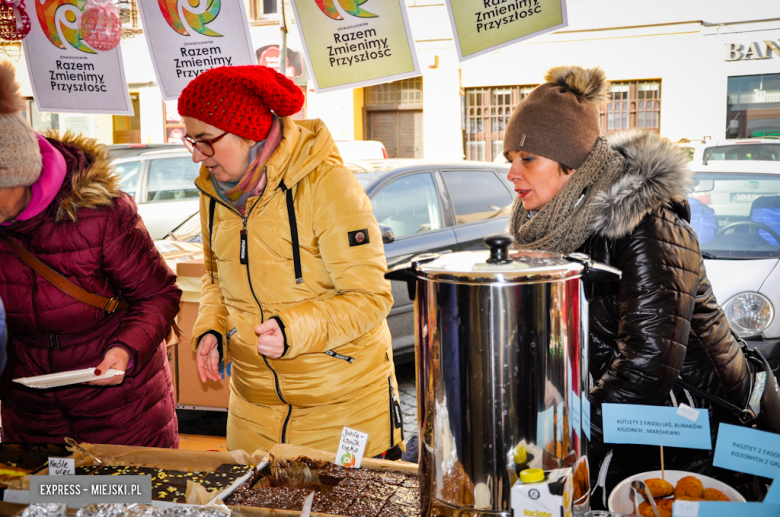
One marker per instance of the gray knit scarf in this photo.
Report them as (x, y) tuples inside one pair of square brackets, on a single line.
[(566, 222)]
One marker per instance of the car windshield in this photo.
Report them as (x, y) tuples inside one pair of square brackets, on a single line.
[(129, 176), (761, 152), (737, 216), (366, 178)]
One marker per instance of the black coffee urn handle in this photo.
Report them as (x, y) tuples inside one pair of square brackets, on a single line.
[(499, 244), (407, 272)]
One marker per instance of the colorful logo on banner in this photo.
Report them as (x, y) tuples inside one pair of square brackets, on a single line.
[(350, 6), (195, 13), (59, 20)]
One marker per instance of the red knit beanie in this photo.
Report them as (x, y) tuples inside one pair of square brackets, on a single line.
[(239, 99)]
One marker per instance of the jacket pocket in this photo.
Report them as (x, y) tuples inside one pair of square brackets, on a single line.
[(131, 394), (396, 418), (336, 355)]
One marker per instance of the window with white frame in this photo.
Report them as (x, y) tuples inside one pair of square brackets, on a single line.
[(632, 104)]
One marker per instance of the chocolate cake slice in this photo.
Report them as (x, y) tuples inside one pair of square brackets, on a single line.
[(234, 469), (365, 507), (379, 491), (399, 510), (219, 479), (407, 497), (170, 493)]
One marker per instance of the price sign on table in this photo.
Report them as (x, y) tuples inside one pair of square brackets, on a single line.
[(655, 425), (747, 450), (723, 509)]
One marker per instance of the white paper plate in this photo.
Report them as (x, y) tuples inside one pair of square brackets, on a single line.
[(53, 380), (619, 500)]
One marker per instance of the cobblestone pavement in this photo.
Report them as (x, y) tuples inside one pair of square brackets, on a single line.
[(406, 385)]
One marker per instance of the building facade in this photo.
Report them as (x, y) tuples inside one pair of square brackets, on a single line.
[(698, 70)]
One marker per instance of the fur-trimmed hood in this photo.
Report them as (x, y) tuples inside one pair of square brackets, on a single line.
[(93, 182), (655, 173)]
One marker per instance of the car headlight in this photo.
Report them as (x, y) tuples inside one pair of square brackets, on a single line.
[(749, 314)]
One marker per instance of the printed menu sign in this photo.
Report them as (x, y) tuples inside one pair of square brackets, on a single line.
[(353, 43), (482, 26), (747, 450), (186, 38), (723, 509), (66, 74), (654, 425)]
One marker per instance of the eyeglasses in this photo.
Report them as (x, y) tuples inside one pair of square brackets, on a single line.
[(206, 147)]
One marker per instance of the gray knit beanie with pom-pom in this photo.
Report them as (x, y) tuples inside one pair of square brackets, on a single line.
[(20, 154), (559, 120)]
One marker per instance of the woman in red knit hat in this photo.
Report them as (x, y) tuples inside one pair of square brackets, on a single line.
[(295, 263)]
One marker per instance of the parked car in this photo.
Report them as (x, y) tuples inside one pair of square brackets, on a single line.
[(163, 185), (735, 209), (119, 150), (354, 150), (759, 149), (421, 208)]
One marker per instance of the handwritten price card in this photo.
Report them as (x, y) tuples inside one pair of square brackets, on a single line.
[(747, 450), (655, 425), (62, 467), (352, 446)]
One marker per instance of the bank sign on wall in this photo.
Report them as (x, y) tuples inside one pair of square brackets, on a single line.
[(754, 50), (185, 41), (482, 26), (355, 43), (67, 75)]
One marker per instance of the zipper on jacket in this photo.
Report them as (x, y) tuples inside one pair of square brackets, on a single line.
[(262, 320), (396, 418), (262, 315)]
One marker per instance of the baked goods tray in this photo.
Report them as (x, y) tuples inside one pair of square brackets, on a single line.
[(237, 483)]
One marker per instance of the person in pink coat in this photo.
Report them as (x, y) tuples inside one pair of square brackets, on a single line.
[(60, 201)]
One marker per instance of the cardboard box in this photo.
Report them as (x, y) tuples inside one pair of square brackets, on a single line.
[(551, 497), (172, 459), (192, 392), (177, 251)]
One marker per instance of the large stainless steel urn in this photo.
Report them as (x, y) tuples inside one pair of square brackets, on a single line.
[(501, 343)]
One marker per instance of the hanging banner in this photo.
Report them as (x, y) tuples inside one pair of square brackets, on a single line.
[(67, 75), (347, 46), (188, 37), (482, 26)]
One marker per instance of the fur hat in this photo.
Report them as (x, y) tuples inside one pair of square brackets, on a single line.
[(21, 162), (559, 120), (239, 99)]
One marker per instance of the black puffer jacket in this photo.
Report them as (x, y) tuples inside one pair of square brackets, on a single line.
[(661, 320)]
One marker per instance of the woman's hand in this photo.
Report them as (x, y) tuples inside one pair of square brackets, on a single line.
[(116, 358), (207, 359), (270, 340)]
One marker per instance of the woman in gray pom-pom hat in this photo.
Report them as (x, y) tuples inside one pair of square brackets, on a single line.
[(622, 201)]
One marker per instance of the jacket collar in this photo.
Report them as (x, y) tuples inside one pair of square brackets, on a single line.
[(305, 145), (656, 173), (88, 181)]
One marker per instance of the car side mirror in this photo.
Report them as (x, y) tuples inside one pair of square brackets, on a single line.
[(387, 233)]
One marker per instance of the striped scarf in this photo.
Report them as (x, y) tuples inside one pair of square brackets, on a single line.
[(253, 182)]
